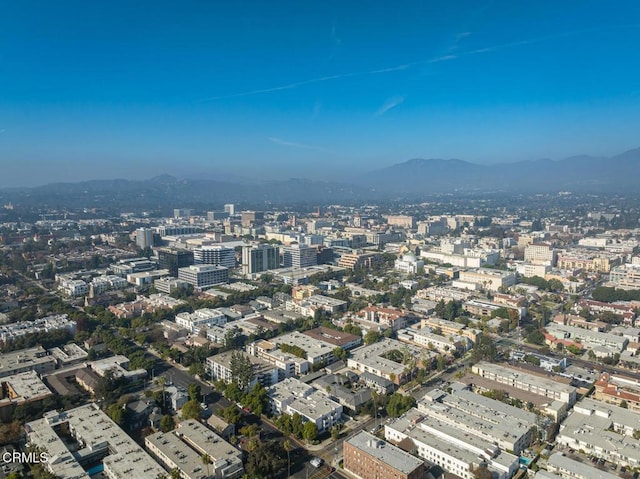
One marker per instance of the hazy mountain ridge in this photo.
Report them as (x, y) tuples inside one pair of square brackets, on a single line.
[(580, 173), (411, 179)]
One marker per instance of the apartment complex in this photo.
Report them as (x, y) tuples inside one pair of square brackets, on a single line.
[(292, 396), (455, 450), (603, 430), (520, 379), (373, 359), (219, 367), (489, 279), (184, 447), (31, 359), (201, 318), (367, 457), (93, 437)]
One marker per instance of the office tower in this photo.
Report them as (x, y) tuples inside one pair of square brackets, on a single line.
[(217, 215), (299, 256), (181, 213), (204, 275), (218, 255), (230, 208), (173, 259), (249, 218), (256, 259), (144, 238)]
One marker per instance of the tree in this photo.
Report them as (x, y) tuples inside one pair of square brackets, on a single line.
[(265, 460), (288, 447), (399, 404), (167, 423), (484, 349), (175, 473), (191, 410), (206, 460), (231, 414), (535, 337), (194, 391), (242, 370), (482, 472), (623, 404), (573, 349), (118, 414), (340, 353), (371, 337), (310, 431), (256, 400)]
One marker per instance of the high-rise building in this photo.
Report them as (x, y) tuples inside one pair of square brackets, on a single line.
[(181, 213), (204, 275), (172, 259), (249, 218), (217, 254), (256, 259), (230, 208), (217, 215), (299, 256), (144, 238), (540, 253)]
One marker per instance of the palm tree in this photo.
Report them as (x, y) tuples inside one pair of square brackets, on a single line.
[(288, 447), (162, 381), (206, 460)]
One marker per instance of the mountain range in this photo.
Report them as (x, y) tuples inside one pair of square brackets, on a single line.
[(578, 173), (410, 179)]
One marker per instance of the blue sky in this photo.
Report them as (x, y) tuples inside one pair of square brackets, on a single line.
[(309, 88)]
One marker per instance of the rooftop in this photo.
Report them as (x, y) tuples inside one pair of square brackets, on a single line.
[(385, 452)]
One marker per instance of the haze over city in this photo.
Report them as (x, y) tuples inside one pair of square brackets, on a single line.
[(309, 89)]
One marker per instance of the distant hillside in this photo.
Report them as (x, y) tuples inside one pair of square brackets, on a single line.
[(409, 179), (578, 173), (168, 191)]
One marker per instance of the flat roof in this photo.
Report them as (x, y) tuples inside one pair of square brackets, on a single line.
[(27, 386), (97, 432), (579, 469), (332, 336), (385, 452), (524, 376), (23, 358)]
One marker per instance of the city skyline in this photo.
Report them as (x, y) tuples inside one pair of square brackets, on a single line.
[(314, 90)]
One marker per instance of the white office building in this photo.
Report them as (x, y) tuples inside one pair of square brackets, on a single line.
[(299, 256), (203, 276), (217, 255)]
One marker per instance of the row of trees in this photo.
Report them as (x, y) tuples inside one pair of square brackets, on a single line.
[(294, 425)]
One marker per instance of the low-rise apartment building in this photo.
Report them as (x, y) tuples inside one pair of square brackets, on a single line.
[(367, 457), (184, 447), (30, 359), (454, 450), (219, 367), (201, 318), (603, 430), (520, 379), (292, 396), (372, 359), (92, 436)]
